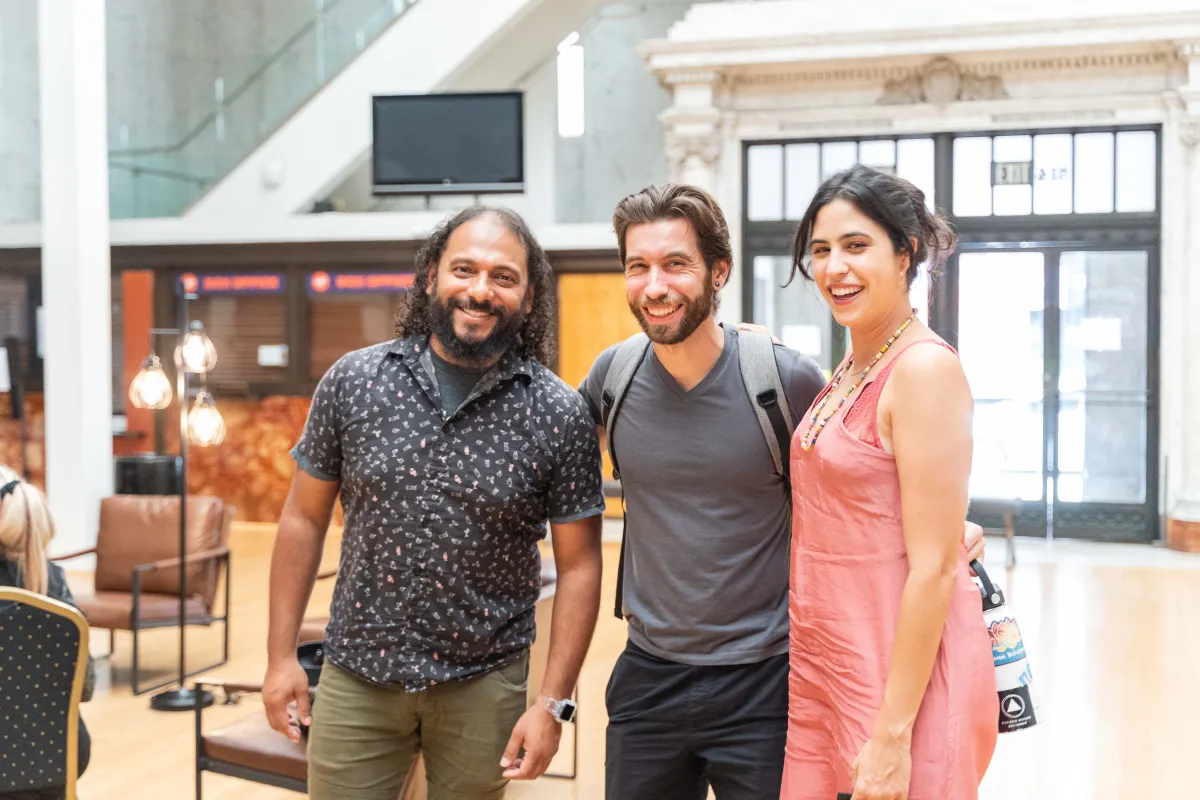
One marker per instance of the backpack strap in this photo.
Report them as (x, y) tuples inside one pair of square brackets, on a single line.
[(760, 373), (629, 356)]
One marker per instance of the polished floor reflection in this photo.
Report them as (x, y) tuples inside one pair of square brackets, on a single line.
[(1111, 631)]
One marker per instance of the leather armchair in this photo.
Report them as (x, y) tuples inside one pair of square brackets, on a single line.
[(137, 568)]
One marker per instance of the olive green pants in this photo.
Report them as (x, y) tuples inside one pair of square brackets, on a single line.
[(364, 738)]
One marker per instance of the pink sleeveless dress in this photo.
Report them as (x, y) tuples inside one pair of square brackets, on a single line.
[(848, 570)]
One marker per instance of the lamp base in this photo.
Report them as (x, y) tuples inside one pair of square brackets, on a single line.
[(180, 700)]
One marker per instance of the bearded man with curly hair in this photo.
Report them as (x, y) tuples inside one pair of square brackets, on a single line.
[(451, 448)]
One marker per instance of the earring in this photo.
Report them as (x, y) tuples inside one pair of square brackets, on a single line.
[(717, 284)]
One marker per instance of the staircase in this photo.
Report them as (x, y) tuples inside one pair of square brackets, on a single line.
[(247, 106), (272, 146)]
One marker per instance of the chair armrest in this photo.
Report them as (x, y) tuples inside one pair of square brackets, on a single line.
[(69, 556), (326, 574), (230, 686), (203, 555)]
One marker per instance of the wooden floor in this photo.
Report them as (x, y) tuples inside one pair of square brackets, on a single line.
[(1115, 652)]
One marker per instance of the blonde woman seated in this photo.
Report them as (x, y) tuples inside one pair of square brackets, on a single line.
[(26, 529)]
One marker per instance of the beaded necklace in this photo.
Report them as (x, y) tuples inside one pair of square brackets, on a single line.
[(815, 427)]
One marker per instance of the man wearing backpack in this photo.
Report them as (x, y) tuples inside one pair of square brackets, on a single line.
[(698, 418)]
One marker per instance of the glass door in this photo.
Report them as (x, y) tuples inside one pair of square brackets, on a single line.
[(1055, 344), (1001, 336), (1103, 458)]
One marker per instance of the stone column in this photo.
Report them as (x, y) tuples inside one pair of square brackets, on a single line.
[(695, 147), (76, 273)]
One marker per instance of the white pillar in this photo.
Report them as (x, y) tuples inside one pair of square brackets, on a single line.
[(75, 266)]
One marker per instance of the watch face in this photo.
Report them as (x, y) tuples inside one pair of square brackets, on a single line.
[(566, 712)]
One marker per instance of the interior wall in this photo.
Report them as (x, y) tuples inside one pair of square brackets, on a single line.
[(20, 147), (621, 149)]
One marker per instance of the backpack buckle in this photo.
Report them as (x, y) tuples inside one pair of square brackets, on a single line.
[(768, 398)]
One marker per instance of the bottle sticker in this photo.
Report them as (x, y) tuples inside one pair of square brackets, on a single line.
[(1007, 646), (1016, 710)]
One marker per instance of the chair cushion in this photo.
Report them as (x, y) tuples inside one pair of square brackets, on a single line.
[(250, 742), (114, 610), (139, 529)]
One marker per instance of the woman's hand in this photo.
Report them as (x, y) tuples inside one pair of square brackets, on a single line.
[(882, 770), (755, 328)]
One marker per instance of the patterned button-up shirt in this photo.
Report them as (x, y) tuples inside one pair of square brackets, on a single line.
[(440, 568)]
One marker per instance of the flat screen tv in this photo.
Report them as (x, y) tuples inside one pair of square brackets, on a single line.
[(451, 143)]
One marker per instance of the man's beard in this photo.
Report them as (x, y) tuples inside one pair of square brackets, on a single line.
[(505, 333), (694, 313)]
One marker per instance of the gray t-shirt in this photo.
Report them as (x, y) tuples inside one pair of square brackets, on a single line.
[(708, 518)]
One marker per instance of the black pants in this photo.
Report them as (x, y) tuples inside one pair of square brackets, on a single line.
[(674, 729)]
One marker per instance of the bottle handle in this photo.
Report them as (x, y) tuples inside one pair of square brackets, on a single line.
[(989, 588)]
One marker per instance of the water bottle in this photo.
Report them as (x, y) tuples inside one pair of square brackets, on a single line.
[(1019, 704)]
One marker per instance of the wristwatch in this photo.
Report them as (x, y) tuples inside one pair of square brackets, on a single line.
[(561, 710)]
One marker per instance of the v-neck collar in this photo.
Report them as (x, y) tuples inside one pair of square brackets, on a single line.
[(668, 380)]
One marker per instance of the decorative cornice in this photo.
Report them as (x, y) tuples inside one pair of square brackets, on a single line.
[(868, 73), (1189, 131), (940, 82), (680, 76), (680, 147)]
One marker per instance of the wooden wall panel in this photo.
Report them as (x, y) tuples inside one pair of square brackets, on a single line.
[(593, 315)]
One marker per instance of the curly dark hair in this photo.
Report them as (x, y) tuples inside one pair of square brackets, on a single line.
[(536, 339)]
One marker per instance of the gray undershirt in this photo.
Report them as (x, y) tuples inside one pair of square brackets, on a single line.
[(454, 382)]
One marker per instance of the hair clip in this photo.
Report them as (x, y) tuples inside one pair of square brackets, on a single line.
[(8, 488)]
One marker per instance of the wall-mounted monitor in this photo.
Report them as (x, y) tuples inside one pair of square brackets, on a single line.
[(450, 143)]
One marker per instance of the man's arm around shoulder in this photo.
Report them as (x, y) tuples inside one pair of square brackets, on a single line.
[(294, 563)]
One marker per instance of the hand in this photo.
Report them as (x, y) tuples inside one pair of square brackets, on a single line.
[(537, 732), (882, 770), (286, 683), (753, 328), (973, 541)]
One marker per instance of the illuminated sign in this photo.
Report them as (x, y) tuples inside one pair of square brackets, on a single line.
[(359, 282), (258, 283)]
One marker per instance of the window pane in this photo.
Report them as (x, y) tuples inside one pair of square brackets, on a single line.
[(914, 162), (803, 177), (837, 156), (797, 315), (1052, 178), (339, 325), (237, 326), (973, 176), (1136, 170), (877, 153), (765, 176), (1093, 173), (1013, 200)]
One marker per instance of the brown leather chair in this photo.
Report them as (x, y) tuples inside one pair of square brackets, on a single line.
[(249, 749), (137, 568)]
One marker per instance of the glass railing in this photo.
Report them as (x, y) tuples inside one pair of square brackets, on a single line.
[(249, 103)]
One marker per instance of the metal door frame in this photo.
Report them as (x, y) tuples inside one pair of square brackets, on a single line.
[(1057, 233)]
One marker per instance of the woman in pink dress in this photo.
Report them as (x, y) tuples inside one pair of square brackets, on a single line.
[(892, 690)]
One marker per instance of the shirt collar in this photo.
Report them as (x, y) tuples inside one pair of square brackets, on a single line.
[(414, 351)]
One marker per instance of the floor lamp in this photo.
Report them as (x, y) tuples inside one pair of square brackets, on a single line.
[(203, 426)]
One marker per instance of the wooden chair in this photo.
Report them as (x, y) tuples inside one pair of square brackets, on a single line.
[(249, 749), (137, 569), (43, 663)]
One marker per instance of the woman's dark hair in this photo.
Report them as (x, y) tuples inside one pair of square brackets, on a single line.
[(537, 335), (894, 204), (675, 201)]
